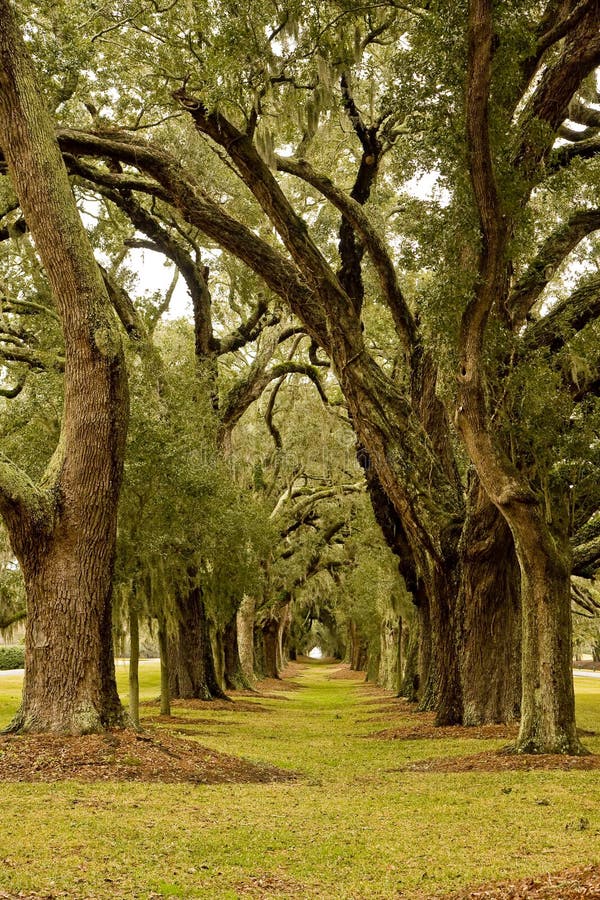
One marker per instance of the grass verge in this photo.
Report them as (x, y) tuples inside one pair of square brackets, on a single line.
[(353, 826)]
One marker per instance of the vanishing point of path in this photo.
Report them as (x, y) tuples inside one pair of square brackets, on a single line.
[(353, 825)]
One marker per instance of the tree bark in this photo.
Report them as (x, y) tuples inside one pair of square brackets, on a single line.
[(260, 665), (191, 665), (548, 700), (409, 685), (245, 632), (426, 671), (163, 644), (234, 676), (270, 631), (490, 639), (63, 533), (357, 648)]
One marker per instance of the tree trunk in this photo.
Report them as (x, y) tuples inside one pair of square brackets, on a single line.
[(260, 666), (389, 653), (64, 532), (548, 700), (444, 635), (235, 678), (399, 656), (163, 644), (70, 684), (426, 680), (217, 654), (490, 593), (431, 577), (191, 666), (245, 632), (409, 686), (358, 650), (282, 637), (134, 665), (270, 631)]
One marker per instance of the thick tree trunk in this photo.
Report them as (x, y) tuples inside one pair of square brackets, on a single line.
[(425, 543), (444, 634), (70, 682), (372, 665), (543, 553), (548, 701), (191, 666), (64, 532), (490, 649)]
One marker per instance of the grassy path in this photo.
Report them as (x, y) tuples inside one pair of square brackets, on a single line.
[(350, 827)]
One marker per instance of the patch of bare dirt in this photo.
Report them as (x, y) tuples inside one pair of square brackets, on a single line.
[(570, 884), (505, 761), (125, 756)]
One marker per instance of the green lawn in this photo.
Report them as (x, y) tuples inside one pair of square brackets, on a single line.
[(351, 827)]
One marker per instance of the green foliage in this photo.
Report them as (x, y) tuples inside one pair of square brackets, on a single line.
[(183, 516), (12, 657)]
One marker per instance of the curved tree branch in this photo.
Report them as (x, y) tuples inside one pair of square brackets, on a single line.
[(556, 328), (374, 243), (184, 193), (551, 254)]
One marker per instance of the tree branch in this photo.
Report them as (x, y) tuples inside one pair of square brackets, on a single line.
[(586, 558), (483, 181), (583, 114), (374, 243), (249, 389), (556, 328), (549, 102), (576, 137), (273, 430), (20, 499), (12, 392), (291, 228), (551, 254), (200, 210), (563, 156), (125, 309), (42, 360), (163, 242), (249, 330)]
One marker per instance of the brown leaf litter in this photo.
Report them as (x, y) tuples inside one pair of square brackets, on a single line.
[(148, 756), (505, 761), (570, 884)]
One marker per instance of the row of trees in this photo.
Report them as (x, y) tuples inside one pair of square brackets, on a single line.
[(461, 329)]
